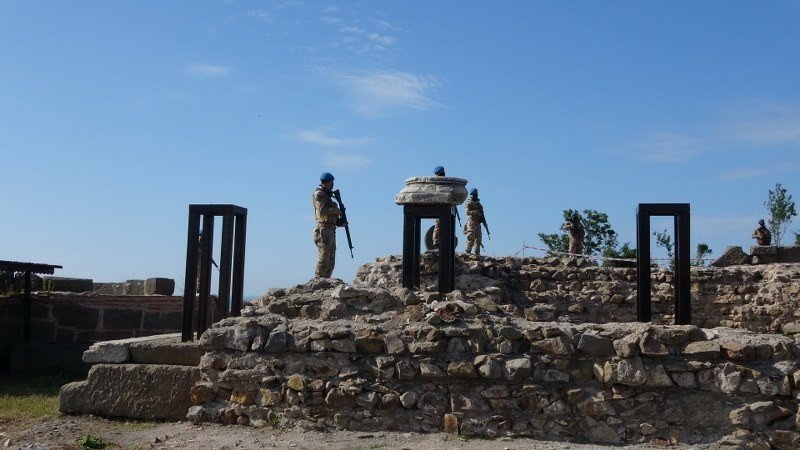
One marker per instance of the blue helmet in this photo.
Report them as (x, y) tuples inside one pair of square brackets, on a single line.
[(326, 176), (438, 170), (473, 192)]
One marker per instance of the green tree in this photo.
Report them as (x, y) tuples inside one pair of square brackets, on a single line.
[(797, 239), (664, 239), (600, 238), (613, 251), (781, 210), (703, 250), (555, 242)]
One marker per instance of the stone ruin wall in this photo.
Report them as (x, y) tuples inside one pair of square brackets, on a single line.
[(511, 352), (67, 317), (762, 298)]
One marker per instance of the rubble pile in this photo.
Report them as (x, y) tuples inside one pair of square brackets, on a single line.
[(477, 361)]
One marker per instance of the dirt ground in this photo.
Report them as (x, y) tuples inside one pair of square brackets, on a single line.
[(63, 432)]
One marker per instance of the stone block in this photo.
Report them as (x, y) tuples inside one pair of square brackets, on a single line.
[(109, 288), (789, 254), (463, 402), (39, 311), (277, 342), (772, 254), (107, 352), (69, 315), (732, 256), (63, 284), (703, 350), (65, 335), (136, 391), (134, 287), (650, 346), (122, 319), (10, 330), (163, 321), (518, 369), (165, 349), (595, 345), (159, 286), (738, 351), (461, 369), (450, 423), (43, 331)]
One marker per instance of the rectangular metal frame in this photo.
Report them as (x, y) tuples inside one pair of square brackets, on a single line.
[(683, 302), (412, 235), (231, 265)]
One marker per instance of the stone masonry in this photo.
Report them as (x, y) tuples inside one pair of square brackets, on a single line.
[(529, 347)]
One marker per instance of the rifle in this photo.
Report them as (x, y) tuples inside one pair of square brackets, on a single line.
[(342, 221), (458, 216), (486, 225)]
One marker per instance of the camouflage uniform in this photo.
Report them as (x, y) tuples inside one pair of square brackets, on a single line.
[(326, 213), (576, 235), (473, 226), (762, 236)]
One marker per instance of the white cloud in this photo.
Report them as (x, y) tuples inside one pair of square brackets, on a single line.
[(752, 126), (383, 40), (289, 4), (743, 174), (322, 138), (755, 172), (199, 70), (774, 127), (351, 30), (347, 161), (260, 14), (375, 91), (666, 147)]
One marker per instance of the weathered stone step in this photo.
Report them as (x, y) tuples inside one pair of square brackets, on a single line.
[(158, 349)]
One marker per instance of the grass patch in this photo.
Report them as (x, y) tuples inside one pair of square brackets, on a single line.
[(93, 442), (30, 396)]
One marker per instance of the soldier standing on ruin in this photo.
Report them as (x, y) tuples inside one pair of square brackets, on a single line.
[(762, 234), (576, 233), (439, 172), (474, 220), (326, 213)]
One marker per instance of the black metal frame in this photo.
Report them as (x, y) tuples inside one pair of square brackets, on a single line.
[(683, 302), (412, 234), (27, 268), (231, 264)]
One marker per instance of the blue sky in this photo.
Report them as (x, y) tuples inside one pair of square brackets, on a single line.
[(115, 116)]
